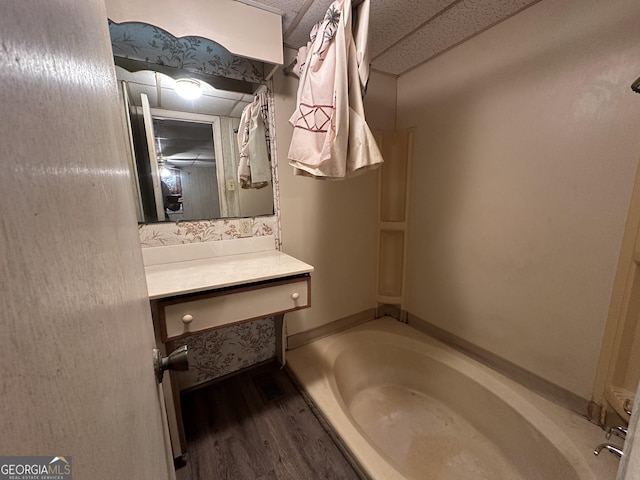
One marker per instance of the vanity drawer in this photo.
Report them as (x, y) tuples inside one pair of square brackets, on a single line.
[(179, 317)]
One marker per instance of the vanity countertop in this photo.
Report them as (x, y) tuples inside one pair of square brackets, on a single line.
[(198, 275)]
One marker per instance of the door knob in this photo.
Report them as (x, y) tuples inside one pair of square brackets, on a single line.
[(176, 360)]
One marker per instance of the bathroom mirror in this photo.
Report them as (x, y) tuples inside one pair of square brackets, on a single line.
[(184, 153)]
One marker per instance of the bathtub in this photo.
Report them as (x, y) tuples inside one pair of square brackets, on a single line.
[(409, 407)]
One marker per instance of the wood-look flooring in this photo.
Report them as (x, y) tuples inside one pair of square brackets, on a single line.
[(256, 425)]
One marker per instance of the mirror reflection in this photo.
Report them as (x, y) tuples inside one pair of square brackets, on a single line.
[(186, 161), (184, 152)]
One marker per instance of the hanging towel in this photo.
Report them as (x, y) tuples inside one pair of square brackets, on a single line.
[(331, 138), (254, 168), (361, 38)]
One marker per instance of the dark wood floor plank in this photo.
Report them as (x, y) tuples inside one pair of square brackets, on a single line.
[(256, 426)]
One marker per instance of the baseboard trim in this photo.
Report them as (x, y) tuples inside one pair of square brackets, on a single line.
[(308, 336), (545, 388)]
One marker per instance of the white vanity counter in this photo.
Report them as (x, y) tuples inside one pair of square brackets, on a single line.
[(181, 269), (178, 278)]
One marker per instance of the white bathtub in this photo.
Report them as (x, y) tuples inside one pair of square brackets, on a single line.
[(408, 407)]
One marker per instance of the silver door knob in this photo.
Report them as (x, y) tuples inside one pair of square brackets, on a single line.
[(176, 360)]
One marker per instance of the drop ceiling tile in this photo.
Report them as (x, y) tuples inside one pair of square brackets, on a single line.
[(214, 92), (455, 25), (215, 106), (390, 21), (300, 35), (135, 89)]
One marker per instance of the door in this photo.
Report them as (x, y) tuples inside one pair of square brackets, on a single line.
[(153, 157), (77, 376), (127, 106)]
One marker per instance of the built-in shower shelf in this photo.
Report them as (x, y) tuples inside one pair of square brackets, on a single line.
[(389, 299), (620, 399), (392, 226), (393, 214)]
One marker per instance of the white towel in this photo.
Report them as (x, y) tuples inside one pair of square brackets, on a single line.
[(254, 169)]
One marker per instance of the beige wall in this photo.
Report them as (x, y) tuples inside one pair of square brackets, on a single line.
[(526, 149), (331, 225)]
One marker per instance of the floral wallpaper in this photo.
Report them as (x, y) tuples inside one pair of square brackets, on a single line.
[(169, 233), (151, 44), (226, 350)]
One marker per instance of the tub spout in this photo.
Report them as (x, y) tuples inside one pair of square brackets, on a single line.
[(613, 449)]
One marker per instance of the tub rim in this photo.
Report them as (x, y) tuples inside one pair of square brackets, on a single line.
[(314, 372)]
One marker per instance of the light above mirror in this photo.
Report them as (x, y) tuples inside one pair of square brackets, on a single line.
[(188, 88)]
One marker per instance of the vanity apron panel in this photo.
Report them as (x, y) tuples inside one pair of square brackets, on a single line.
[(180, 317)]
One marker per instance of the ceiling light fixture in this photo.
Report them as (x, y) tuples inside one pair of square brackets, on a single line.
[(188, 88)]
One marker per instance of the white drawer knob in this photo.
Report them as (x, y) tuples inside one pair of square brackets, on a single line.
[(187, 319), (295, 295)]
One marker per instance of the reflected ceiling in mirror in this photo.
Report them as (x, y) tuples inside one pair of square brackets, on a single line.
[(160, 89), (184, 144), (217, 109)]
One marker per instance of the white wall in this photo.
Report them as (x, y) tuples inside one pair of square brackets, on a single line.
[(526, 148), (331, 225)]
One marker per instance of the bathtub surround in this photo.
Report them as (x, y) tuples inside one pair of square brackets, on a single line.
[(535, 383), (525, 160)]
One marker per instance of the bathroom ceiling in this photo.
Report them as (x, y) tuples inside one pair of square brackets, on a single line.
[(402, 33), (160, 91)]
